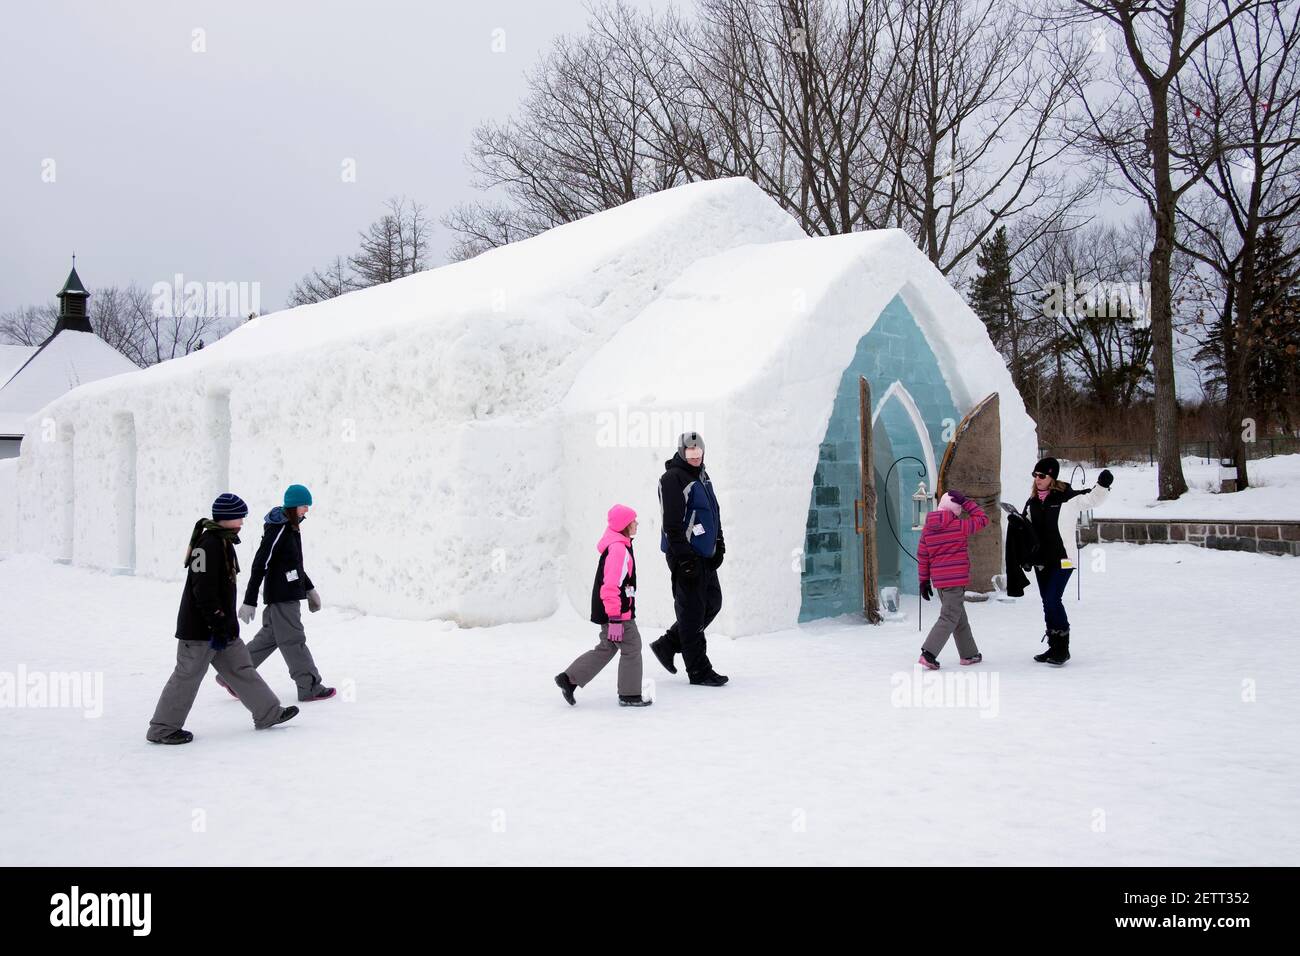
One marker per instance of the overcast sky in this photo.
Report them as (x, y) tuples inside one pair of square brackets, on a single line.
[(226, 165)]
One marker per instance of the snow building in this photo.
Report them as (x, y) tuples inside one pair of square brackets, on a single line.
[(464, 430)]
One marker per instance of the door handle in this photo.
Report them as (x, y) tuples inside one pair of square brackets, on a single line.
[(857, 515)]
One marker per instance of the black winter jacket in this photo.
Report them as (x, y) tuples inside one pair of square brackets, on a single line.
[(1043, 516), (208, 602), (685, 491), (1022, 547), (278, 562)]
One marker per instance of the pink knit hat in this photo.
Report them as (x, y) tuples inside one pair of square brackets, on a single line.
[(620, 516)]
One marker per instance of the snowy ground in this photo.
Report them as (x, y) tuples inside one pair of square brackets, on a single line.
[(1274, 493), (455, 747)]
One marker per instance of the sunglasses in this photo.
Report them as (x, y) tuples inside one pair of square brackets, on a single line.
[(1039, 474)]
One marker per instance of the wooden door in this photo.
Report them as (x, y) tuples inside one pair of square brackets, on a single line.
[(866, 507), (972, 463)]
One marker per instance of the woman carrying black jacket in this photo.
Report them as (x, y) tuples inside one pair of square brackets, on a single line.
[(1053, 509)]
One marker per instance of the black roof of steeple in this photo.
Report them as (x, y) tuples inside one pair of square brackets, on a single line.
[(73, 298), (73, 285)]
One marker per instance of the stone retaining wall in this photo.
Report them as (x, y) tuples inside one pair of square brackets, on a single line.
[(1263, 537)]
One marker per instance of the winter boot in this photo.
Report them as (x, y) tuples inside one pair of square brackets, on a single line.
[(973, 659), (289, 713), (222, 683), (176, 737), (709, 678), (664, 654), (567, 687), (1060, 652), (1058, 647), (633, 700), (928, 660), (321, 693)]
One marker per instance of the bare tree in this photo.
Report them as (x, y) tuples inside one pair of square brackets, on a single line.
[(28, 325), (317, 286), (169, 325), (1241, 104), (394, 246), (147, 328), (1090, 284), (980, 135), (942, 117), (1130, 127)]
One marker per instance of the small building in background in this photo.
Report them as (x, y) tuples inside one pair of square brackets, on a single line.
[(33, 376)]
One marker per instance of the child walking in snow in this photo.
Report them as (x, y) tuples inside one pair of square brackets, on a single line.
[(942, 558), (207, 631), (279, 563), (613, 607)]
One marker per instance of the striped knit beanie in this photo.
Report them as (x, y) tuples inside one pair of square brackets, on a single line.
[(228, 506)]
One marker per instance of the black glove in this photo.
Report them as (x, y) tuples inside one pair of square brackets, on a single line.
[(926, 591), (715, 562), (1105, 478), (689, 567)]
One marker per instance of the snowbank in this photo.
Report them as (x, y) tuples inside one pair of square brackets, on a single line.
[(1275, 494)]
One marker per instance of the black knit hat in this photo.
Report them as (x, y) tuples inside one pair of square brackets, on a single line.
[(1048, 466), (228, 506)]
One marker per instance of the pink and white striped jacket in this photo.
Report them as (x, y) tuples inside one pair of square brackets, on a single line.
[(942, 558)]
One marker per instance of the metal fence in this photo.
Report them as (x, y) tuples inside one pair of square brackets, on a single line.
[(1110, 453)]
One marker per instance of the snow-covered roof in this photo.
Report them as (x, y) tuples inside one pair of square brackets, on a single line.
[(581, 278), (64, 362), (741, 310), (12, 358)]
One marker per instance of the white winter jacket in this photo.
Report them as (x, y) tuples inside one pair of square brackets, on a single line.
[(1068, 519)]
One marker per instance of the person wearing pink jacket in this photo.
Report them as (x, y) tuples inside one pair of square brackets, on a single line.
[(613, 607), (943, 565)]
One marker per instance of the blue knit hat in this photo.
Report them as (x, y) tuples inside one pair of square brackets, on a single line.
[(295, 496), (228, 506)]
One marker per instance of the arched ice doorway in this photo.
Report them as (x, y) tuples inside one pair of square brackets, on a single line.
[(892, 403)]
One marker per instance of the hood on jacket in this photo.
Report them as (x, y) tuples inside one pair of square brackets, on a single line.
[(609, 537), (677, 461), (276, 516), (940, 518)]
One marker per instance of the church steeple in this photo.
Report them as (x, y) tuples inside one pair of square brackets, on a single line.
[(72, 305)]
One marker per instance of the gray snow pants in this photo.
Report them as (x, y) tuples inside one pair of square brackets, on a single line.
[(952, 622), (232, 664), (588, 665), (282, 628)]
